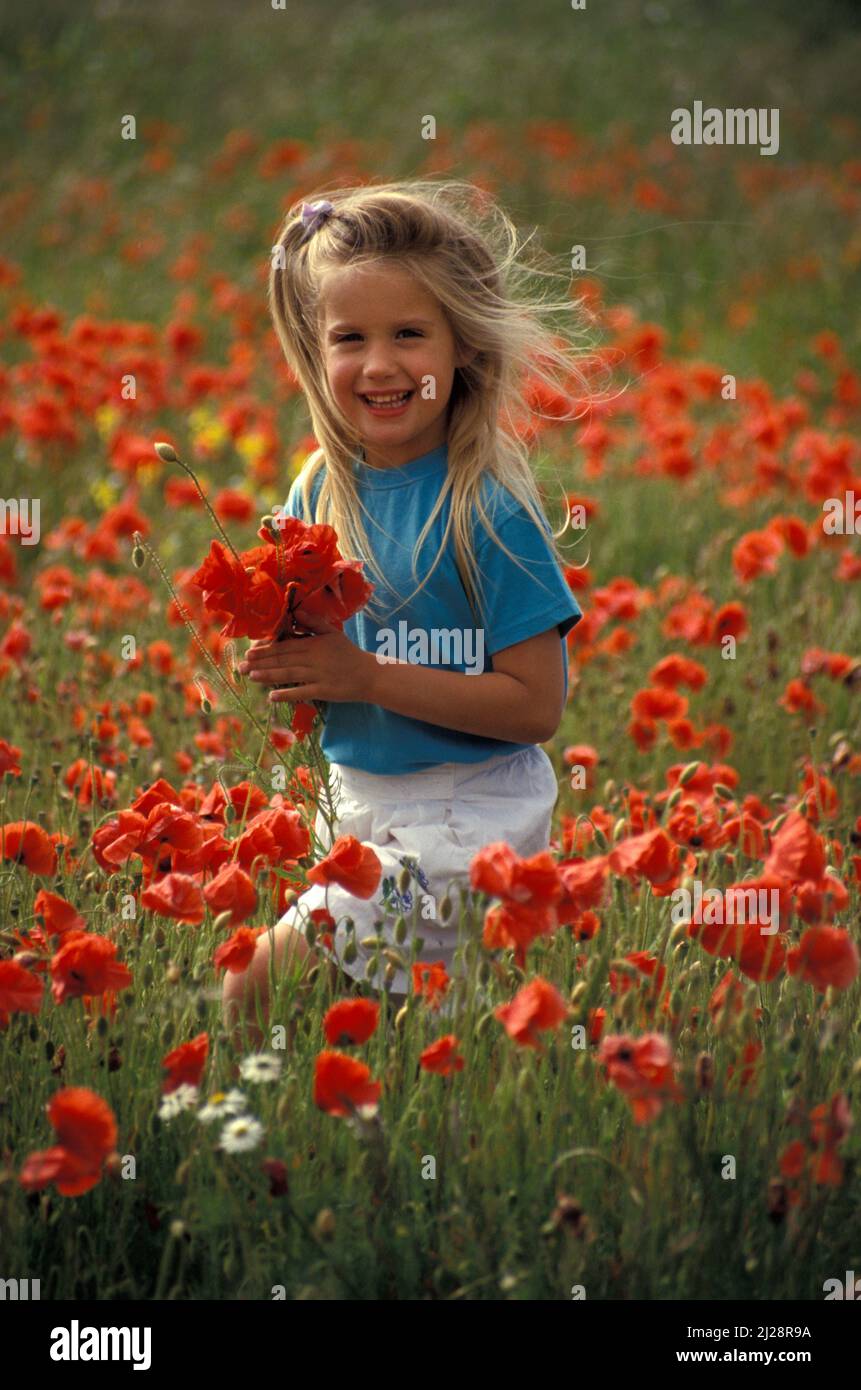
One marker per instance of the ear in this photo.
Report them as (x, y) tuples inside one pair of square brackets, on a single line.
[(465, 356)]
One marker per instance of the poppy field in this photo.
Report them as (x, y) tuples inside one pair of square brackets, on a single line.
[(646, 1081)]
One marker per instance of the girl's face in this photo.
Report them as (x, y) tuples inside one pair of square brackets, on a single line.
[(390, 359)]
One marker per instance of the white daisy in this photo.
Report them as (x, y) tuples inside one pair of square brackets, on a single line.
[(174, 1102), (222, 1105), (260, 1066), (240, 1134)]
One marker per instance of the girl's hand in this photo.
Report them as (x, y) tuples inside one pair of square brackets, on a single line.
[(325, 666)]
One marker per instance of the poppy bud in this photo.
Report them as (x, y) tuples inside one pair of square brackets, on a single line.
[(609, 790), (600, 838), (173, 974), (777, 1200), (372, 942), (401, 931), (619, 829), (389, 974), (229, 811), (577, 992), (395, 958), (704, 1072), (206, 708), (723, 792), (372, 967), (166, 452), (688, 773), (405, 878), (568, 1215), (674, 798), (325, 1224), (311, 932), (138, 557), (114, 1165), (111, 902), (276, 1171), (445, 908), (401, 1016)]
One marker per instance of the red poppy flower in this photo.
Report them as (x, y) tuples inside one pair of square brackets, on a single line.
[(177, 896), (25, 842), (351, 1021), (21, 992), (535, 1008), (642, 1069), (86, 964), (442, 1057), (653, 856), (825, 956), (57, 916), (87, 1130), (343, 1085), (10, 759), (185, 1064), (430, 982), (231, 891), (237, 954), (352, 865)]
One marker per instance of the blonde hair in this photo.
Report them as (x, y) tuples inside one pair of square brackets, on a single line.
[(464, 250)]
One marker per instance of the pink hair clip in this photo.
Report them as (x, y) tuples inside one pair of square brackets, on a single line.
[(314, 215)]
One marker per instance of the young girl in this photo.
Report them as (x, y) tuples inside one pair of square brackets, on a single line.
[(396, 308)]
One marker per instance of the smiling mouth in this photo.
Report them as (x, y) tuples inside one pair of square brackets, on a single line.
[(388, 400)]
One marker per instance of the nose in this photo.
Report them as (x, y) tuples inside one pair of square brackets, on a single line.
[(379, 364)]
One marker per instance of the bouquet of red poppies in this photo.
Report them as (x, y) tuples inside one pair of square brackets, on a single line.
[(262, 593)]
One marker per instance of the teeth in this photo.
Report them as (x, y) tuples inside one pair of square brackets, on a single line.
[(388, 400)]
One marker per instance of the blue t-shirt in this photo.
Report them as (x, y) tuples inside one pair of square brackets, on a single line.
[(437, 627)]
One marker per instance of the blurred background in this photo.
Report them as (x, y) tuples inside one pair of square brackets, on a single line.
[(564, 112)]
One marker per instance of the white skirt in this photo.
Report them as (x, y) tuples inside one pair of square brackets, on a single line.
[(431, 823)]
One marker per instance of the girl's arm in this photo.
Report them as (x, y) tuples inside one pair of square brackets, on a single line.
[(520, 701)]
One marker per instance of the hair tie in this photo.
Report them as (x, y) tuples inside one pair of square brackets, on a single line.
[(314, 215)]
